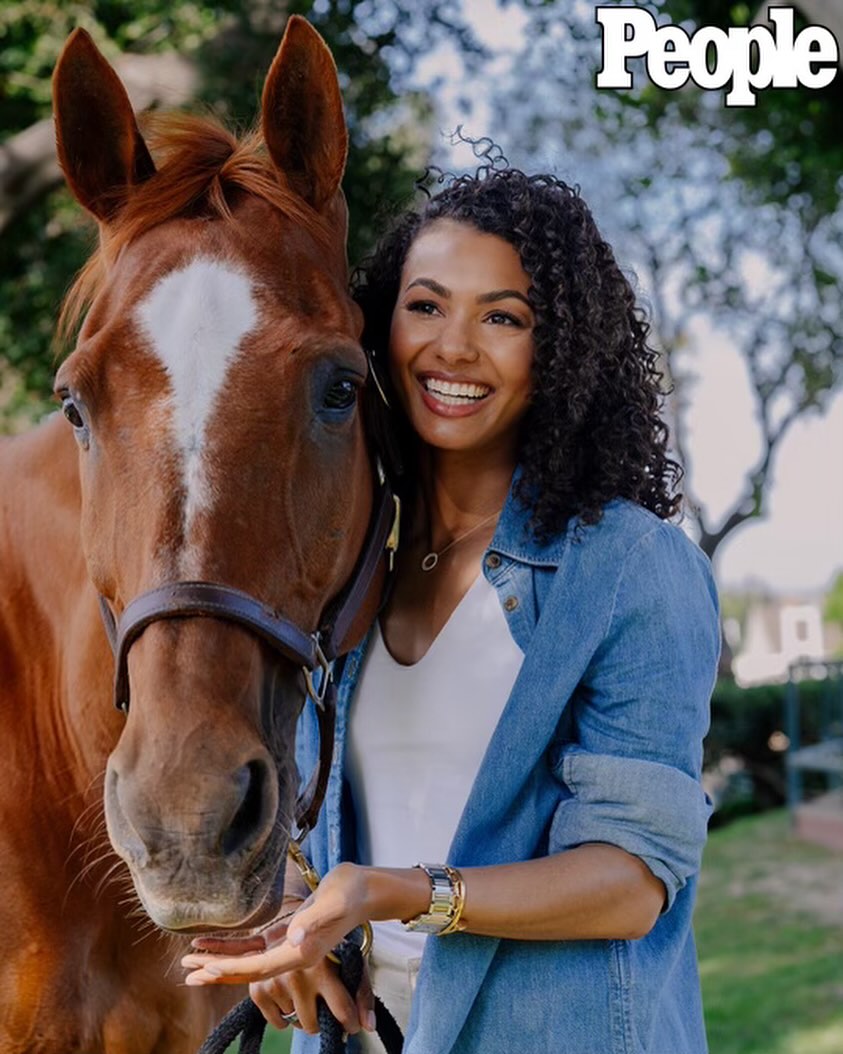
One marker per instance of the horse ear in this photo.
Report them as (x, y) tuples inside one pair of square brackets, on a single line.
[(302, 118), (98, 142)]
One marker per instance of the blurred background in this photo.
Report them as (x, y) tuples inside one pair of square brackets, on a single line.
[(728, 221)]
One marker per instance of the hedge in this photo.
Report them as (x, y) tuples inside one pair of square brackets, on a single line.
[(743, 721)]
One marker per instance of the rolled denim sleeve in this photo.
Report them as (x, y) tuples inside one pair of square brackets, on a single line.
[(630, 760)]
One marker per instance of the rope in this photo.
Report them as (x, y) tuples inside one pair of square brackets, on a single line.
[(246, 1021)]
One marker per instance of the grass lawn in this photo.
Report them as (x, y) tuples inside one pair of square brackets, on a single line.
[(274, 1042), (769, 927)]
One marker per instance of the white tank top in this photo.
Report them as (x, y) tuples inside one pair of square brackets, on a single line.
[(417, 735)]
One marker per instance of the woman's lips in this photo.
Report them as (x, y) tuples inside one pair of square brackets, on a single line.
[(453, 398)]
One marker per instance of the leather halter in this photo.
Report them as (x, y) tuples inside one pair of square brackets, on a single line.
[(312, 651)]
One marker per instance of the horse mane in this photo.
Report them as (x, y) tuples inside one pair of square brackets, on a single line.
[(200, 167)]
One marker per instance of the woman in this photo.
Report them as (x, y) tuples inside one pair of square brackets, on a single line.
[(530, 707)]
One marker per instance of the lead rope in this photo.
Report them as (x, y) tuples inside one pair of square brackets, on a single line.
[(247, 1022)]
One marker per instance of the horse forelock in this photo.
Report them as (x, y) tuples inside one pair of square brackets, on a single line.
[(200, 168)]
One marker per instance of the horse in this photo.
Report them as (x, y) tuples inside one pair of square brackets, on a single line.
[(204, 499)]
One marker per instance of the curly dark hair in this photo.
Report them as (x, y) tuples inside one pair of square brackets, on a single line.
[(593, 431)]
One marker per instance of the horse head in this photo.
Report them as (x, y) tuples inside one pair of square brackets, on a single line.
[(214, 394)]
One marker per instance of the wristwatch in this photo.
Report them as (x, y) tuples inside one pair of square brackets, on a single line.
[(447, 897)]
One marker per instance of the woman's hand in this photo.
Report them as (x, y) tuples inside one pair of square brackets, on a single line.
[(286, 967), (297, 992)]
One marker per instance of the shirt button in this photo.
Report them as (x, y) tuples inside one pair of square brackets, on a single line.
[(493, 560), (510, 604)]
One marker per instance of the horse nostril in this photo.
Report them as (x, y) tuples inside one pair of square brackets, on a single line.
[(247, 825)]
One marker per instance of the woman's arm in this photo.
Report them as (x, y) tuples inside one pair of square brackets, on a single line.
[(590, 892)]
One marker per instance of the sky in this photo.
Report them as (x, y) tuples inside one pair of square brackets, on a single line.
[(797, 548)]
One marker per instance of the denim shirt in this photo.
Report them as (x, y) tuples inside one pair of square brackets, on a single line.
[(600, 741)]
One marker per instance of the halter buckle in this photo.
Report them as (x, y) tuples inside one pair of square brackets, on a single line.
[(318, 694)]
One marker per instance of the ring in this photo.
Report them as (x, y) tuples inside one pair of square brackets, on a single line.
[(292, 1018)]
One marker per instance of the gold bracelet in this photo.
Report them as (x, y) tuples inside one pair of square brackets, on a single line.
[(456, 925)]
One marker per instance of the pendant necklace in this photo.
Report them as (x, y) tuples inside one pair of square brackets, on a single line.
[(432, 558)]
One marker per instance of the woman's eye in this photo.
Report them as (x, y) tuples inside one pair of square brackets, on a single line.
[(499, 317), (341, 395), (422, 307), (71, 412)]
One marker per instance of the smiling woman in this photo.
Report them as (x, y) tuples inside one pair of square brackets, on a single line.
[(461, 342), (527, 712)]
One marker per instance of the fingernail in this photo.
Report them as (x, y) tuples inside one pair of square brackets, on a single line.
[(295, 937), (371, 1022), (195, 980)]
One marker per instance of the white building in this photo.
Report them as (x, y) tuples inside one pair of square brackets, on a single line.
[(775, 634)]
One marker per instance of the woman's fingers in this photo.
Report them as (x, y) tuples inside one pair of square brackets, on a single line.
[(331, 912), (273, 1001), (256, 942), (340, 1003), (300, 991), (229, 945), (304, 1001), (212, 969)]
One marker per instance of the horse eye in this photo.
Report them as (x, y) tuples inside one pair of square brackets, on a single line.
[(71, 412), (341, 395)]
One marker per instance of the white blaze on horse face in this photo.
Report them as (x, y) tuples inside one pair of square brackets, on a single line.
[(196, 319)]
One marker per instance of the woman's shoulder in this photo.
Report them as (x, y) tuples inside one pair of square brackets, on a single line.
[(624, 529), (630, 524), (631, 556), (638, 545), (639, 528), (629, 551)]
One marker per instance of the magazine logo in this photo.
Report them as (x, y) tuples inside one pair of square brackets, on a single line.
[(743, 60)]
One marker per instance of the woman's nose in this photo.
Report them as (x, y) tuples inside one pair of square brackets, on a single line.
[(456, 342)]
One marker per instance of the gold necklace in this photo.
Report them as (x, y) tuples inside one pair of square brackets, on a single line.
[(432, 558)]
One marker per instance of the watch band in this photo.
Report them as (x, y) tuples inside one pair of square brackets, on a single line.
[(446, 901)]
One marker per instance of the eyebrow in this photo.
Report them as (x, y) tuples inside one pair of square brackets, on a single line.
[(484, 298)]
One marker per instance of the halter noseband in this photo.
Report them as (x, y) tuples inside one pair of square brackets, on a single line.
[(312, 651)]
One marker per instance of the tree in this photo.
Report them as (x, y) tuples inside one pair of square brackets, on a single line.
[(833, 607), (215, 52), (731, 215)]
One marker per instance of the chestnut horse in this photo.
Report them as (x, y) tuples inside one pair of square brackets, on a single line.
[(213, 433)]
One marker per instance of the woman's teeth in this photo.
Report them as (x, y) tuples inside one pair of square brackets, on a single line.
[(455, 394)]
